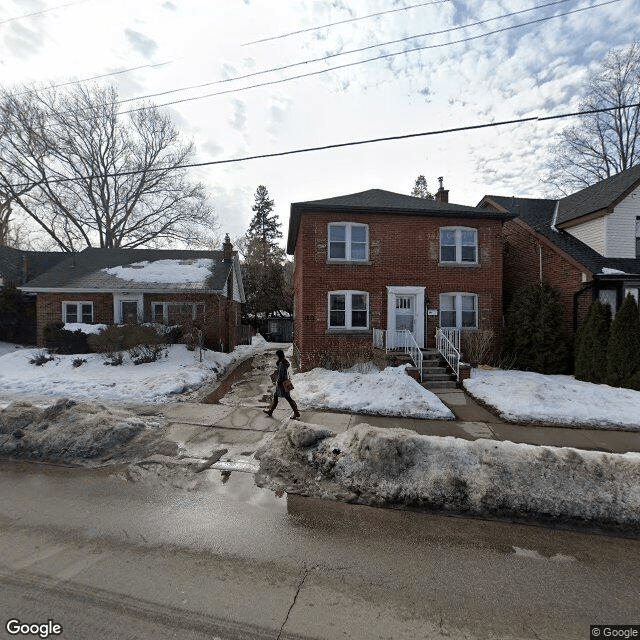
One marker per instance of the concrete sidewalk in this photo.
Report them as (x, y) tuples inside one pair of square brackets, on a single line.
[(242, 428)]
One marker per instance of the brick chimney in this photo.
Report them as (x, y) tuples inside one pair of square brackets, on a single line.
[(442, 194), (227, 248)]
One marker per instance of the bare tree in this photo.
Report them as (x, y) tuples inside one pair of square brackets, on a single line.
[(89, 175), (604, 143)]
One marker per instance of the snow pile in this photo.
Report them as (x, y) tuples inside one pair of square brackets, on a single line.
[(174, 271), (8, 347), (180, 372), (523, 396), (258, 341), (397, 467), (85, 328), (390, 392), (65, 431)]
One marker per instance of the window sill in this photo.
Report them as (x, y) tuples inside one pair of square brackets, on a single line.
[(352, 332), (458, 264), (355, 262)]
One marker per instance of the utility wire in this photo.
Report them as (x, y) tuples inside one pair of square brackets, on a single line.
[(341, 53), (366, 60), (37, 13), (333, 24), (338, 145)]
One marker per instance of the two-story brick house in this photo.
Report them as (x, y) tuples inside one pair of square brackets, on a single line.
[(587, 245), (378, 259)]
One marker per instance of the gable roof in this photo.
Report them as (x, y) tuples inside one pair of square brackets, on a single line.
[(19, 266), (599, 197), (538, 213), (386, 202), (97, 270)]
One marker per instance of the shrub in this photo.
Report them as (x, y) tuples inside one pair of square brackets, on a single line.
[(17, 315), (58, 340), (623, 348), (534, 330), (477, 346), (41, 358), (141, 341), (78, 362), (591, 343), (109, 343)]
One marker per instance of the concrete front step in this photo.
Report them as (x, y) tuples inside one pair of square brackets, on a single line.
[(439, 384), (435, 377)]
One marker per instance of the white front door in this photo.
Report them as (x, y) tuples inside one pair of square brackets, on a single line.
[(127, 308), (405, 311)]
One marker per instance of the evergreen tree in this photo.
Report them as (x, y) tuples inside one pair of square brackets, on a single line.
[(623, 352), (591, 343), (420, 189), (267, 290), (534, 337)]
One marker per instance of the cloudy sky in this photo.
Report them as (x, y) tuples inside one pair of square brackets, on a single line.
[(496, 73)]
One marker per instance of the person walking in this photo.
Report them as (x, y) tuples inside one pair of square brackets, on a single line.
[(283, 386)]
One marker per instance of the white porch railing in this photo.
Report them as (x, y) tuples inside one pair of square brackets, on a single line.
[(399, 340), (448, 344)]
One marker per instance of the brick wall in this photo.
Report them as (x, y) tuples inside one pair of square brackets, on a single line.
[(524, 250), (403, 251), (49, 308)]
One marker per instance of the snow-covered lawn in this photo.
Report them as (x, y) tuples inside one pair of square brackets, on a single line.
[(390, 392), (522, 396), (181, 371)]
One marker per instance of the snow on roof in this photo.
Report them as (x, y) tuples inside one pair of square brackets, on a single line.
[(193, 271), (606, 271)]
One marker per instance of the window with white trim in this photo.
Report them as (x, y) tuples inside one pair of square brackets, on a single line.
[(77, 311), (459, 310), (459, 245), (176, 312), (348, 241), (348, 310)]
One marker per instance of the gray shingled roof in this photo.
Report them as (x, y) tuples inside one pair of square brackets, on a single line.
[(380, 201), (15, 262), (602, 196), (84, 271), (538, 214)]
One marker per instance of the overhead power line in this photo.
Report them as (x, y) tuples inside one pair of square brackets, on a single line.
[(341, 53), (333, 24), (37, 13), (338, 145), (366, 60)]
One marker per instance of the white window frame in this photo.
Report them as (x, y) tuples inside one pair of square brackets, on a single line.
[(458, 245), (79, 304), (348, 310), (457, 308), (165, 309), (347, 251)]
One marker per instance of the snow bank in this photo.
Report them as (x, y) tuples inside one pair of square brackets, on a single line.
[(66, 431), (397, 467), (523, 396), (390, 392), (85, 328)]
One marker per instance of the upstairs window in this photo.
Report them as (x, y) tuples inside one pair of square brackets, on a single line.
[(459, 245), (348, 241), (73, 312), (637, 236), (348, 310)]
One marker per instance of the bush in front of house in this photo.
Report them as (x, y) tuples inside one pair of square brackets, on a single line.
[(17, 316), (591, 343), (534, 335), (58, 340), (477, 346), (143, 343), (623, 349)]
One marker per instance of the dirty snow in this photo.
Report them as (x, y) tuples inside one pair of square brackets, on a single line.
[(523, 396), (389, 392), (176, 271), (397, 467), (67, 430), (180, 372)]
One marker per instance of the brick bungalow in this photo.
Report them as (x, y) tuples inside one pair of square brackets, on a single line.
[(120, 286), (383, 260), (586, 245)]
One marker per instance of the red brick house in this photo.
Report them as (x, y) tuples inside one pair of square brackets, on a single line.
[(121, 286), (383, 260), (586, 245)]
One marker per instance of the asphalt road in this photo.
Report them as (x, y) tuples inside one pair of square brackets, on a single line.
[(106, 557)]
